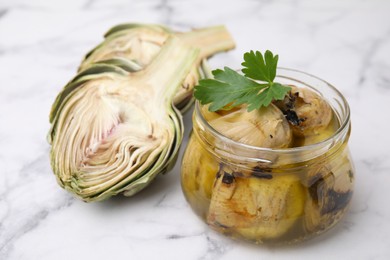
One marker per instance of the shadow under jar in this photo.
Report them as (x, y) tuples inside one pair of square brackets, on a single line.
[(267, 195)]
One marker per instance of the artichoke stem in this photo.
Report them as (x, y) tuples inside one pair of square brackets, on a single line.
[(167, 71), (209, 40)]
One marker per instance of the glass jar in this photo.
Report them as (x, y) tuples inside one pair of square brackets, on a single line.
[(270, 195)]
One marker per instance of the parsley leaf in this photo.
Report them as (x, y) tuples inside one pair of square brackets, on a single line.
[(260, 68), (230, 88)]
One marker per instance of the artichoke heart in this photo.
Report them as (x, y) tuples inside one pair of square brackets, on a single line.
[(329, 193), (113, 131), (198, 177), (307, 112), (134, 46), (263, 207), (265, 127)]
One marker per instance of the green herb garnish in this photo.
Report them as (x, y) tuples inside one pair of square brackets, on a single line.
[(256, 87)]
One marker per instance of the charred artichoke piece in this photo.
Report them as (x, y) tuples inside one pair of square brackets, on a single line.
[(113, 131), (138, 44), (265, 127), (329, 193), (257, 208), (254, 205), (306, 111)]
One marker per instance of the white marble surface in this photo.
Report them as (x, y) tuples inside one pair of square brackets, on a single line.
[(41, 44)]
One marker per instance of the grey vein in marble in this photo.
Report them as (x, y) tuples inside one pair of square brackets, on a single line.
[(32, 219), (166, 9), (3, 12)]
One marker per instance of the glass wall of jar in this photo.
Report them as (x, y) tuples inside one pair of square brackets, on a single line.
[(270, 195)]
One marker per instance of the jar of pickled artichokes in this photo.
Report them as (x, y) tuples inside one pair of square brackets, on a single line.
[(286, 194)]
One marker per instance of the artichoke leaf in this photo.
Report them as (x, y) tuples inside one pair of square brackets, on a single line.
[(127, 26), (128, 65)]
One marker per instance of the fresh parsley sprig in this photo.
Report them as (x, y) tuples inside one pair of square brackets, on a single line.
[(256, 87)]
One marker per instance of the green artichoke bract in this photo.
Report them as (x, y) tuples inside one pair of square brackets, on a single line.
[(136, 45), (114, 130)]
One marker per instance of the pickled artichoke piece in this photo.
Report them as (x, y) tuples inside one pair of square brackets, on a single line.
[(205, 169), (265, 127), (198, 175), (114, 131), (138, 44), (257, 208), (306, 111), (329, 194)]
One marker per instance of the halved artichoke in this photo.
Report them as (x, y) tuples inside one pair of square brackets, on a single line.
[(137, 44), (113, 130)]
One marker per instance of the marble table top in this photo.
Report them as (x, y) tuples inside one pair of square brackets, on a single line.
[(41, 44)]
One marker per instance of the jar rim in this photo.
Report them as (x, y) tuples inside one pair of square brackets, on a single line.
[(344, 121)]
